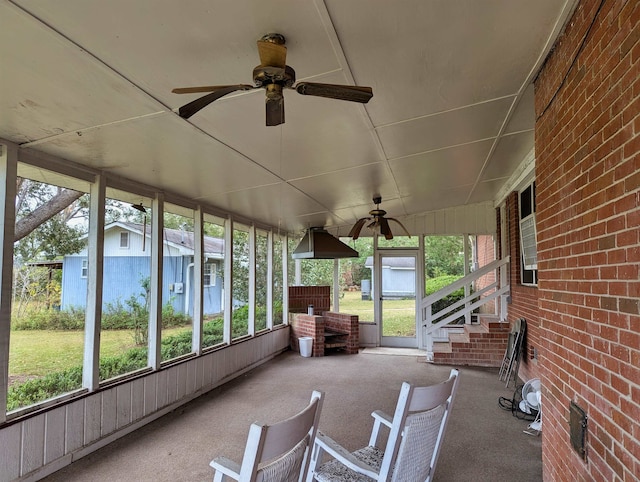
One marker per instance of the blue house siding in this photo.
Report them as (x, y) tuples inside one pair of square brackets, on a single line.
[(123, 276), (398, 279), (74, 287), (399, 283)]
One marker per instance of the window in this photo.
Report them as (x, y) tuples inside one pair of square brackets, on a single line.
[(177, 301), (124, 239), (240, 281), (210, 274), (528, 235), (213, 300), (46, 361), (126, 286)]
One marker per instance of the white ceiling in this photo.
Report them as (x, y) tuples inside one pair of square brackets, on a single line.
[(450, 120)]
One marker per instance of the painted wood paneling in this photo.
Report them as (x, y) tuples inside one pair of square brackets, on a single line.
[(109, 411), (471, 218), (161, 394), (10, 441), (74, 426), (137, 399), (56, 436), (150, 393), (33, 431), (123, 411), (93, 419)]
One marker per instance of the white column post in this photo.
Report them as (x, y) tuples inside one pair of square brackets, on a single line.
[(270, 280), (8, 173), (95, 258), (285, 279), (251, 328), (467, 288), (228, 280), (336, 285), (198, 268), (155, 294)]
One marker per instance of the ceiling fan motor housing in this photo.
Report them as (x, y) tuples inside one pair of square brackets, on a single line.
[(264, 75)]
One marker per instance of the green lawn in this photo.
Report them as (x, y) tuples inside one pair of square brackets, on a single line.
[(399, 315), (38, 352)]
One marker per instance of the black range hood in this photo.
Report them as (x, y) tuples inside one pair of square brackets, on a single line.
[(319, 244)]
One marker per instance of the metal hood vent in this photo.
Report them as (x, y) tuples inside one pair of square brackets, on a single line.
[(319, 244)]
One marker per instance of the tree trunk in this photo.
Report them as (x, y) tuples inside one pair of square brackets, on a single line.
[(45, 212)]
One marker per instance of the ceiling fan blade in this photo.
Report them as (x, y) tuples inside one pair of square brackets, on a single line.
[(355, 230), (191, 108), (195, 90), (351, 93), (401, 225), (385, 230), (272, 54)]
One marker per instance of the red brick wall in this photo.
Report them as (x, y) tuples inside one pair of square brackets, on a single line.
[(524, 298), (300, 297), (308, 325), (345, 323), (486, 255), (314, 326), (587, 143)]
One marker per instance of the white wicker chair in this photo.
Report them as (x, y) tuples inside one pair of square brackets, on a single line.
[(275, 453), (416, 432)]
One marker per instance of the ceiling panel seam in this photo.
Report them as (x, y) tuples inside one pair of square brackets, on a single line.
[(446, 111), (89, 55), (330, 28)]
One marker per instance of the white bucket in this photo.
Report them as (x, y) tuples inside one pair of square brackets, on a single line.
[(306, 345)]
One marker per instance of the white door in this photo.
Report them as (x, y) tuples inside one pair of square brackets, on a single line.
[(395, 288)]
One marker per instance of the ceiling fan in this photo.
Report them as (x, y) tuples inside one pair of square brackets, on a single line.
[(273, 75), (378, 222)]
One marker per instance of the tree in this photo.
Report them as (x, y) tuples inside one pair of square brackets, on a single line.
[(43, 215), (56, 205), (444, 255)]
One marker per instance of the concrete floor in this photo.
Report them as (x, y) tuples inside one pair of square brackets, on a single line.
[(483, 442)]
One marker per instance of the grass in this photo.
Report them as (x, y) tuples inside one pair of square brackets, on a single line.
[(34, 353), (399, 318)]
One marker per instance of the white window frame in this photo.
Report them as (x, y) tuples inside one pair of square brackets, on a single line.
[(210, 269), (127, 237), (528, 238), (84, 268)]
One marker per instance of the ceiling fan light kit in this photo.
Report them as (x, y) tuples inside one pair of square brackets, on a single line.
[(274, 76), (377, 222)]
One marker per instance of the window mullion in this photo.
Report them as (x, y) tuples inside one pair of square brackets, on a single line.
[(8, 174), (93, 313)]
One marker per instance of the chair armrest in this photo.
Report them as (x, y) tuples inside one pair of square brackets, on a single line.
[(226, 466), (382, 417), (345, 457)]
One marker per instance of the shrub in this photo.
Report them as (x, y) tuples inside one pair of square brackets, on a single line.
[(48, 319), (57, 383), (435, 284)]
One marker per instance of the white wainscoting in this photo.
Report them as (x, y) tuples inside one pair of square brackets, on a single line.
[(38, 445)]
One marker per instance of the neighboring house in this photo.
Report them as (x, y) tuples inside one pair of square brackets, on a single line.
[(127, 264), (398, 277)]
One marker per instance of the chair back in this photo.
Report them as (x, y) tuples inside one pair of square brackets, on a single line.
[(417, 431), (280, 452)]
